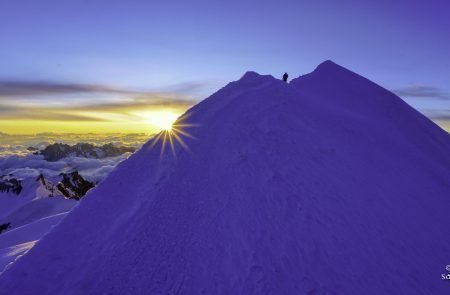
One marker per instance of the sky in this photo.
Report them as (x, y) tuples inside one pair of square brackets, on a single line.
[(125, 66)]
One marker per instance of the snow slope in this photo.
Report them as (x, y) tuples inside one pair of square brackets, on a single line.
[(18, 241), (31, 215), (37, 209), (327, 185)]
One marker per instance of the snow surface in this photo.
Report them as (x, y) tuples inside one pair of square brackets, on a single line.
[(17, 241), (31, 215), (327, 185), (38, 209), (10, 254)]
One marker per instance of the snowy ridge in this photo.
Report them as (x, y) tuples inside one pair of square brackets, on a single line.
[(327, 185), (16, 242)]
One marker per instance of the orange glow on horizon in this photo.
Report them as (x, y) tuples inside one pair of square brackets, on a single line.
[(149, 122)]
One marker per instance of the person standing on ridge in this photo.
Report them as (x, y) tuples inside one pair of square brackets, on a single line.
[(285, 77)]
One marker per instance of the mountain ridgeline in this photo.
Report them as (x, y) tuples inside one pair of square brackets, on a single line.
[(57, 151), (329, 184)]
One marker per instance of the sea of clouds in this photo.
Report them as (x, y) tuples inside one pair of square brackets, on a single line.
[(17, 160)]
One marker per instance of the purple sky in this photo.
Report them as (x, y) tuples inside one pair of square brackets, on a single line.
[(193, 47)]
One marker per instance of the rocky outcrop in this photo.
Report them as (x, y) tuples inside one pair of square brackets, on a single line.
[(74, 186), (10, 184)]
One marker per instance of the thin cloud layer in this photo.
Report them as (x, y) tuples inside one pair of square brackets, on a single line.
[(52, 101), (422, 91), (75, 113), (11, 88), (47, 115), (16, 159), (26, 88), (439, 115)]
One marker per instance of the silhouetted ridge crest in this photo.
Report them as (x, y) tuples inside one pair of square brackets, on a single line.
[(253, 77), (330, 68)]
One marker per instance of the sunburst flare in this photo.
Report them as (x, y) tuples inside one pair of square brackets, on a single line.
[(173, 135)]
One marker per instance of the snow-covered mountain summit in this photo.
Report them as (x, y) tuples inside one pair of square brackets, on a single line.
[(329, 184)]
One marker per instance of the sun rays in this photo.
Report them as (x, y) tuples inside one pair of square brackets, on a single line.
[(172, 135), (163, 120)]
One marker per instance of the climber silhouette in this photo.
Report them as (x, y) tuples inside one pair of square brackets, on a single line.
[(285, 77), (5, 226)]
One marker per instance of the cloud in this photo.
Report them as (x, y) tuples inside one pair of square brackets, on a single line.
[(17, 144), (92, 113), (422, 91), (138, 103), (27, 88), (186, 87), (439, 115), (11, 88), (16, 159), (32, 165), (431, 101), (52, 101), (45, 114)]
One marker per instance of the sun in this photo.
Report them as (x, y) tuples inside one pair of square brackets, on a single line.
[(172, 133), (162, 120)]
